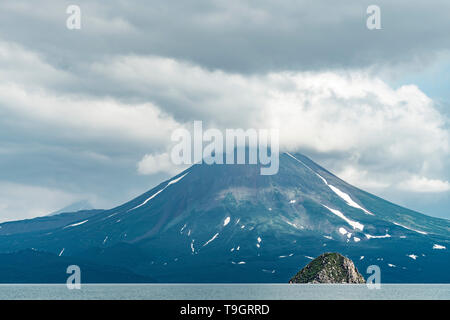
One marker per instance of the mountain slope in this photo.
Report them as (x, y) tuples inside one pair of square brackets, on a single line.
[(49, 222), (31, 266), (228, 223)]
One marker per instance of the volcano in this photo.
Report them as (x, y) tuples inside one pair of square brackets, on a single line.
[(227, 223)]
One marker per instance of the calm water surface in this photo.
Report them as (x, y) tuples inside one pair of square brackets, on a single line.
[(225, 292)]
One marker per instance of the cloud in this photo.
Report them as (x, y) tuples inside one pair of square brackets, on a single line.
[(234, 35), (31, 97), (152, 164), (59, 139), (363, 178), (347, 120), (27, 67), (76, 118), (371, 134), (423, 184), (326, 112), (21, 201)]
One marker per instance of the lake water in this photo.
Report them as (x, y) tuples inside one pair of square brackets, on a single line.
[(226, 292)]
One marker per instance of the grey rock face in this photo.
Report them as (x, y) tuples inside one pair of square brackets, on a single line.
[(329, 268)]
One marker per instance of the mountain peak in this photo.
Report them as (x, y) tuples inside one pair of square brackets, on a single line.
[(329, 268), (74, 207)]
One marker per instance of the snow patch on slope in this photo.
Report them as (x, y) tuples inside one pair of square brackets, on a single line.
[(210, 240), (354, 224), (368, 236), (192, 246), (400, 225), (154, 195), (346, 197), (293, 225), (76, 224)]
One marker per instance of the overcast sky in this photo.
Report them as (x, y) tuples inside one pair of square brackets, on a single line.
[(88, 114)]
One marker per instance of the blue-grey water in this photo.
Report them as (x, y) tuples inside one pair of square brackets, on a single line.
[(226, 292)]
